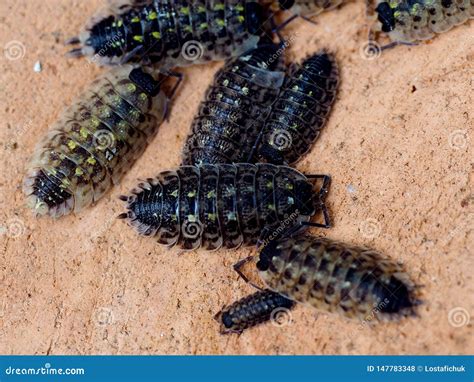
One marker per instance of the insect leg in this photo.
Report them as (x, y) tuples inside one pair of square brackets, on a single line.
[(395, 43), (239, 265)]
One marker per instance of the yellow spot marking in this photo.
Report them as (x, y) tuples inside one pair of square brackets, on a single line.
[(131, 87), (289, 186), (219, 7), (295, 88), (191, 194), (225, 83), (270, 185), (201, 9), (174, 193), (192, 218), (79, 171), (212, 217), (119, 23), (204, 26), (239, 7), (91, 160), (138, 38), (184, 10), (95, 122), (220, 22), (135, 19), (211, 194), (143, 97), (152, 16), (271, 207), (188, 28), (84, 133), (240, 19), (72, 145), (156, 35)]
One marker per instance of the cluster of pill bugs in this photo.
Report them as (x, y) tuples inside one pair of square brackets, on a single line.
[(235, 186)]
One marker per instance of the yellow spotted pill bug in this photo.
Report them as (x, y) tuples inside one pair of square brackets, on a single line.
[(253, 310), (173, 33), (336, 277), (235, 107), (307, 8), (95, 141), (225, 205), (300, 111), (408, 21)]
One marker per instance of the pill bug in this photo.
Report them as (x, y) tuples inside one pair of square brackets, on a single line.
[(408, 21), (226, 205), (172, 33), (95, 141), (300, 110), (235, 107), (253, 310), (332, 276)]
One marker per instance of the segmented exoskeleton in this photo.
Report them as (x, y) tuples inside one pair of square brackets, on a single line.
[(173, 33), (235, 107), (224, 205), (300, 110), (408, 21), (253, 310), (336, 277), (95, 141)]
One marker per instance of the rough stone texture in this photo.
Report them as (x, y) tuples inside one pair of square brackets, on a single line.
[(398, 146)]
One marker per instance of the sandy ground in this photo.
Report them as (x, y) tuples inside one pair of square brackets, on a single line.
[(398, 146)]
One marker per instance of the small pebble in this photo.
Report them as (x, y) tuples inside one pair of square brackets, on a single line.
[(37, 68), (351, 189)]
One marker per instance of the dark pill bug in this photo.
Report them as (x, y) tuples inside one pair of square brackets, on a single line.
[(235, 107), (96, 140), (332, 276), (172, 33), (300, 110), (253, 310), (224, 205)]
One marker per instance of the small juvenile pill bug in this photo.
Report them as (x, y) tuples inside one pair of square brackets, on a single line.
[(96, 140), (225, 205), (252, 310), (336, 277), (172, 33), (411, 21), (300, 110), (235, 107)]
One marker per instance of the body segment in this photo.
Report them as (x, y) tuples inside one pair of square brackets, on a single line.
[(95, 141), (217, 206)]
